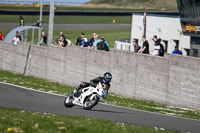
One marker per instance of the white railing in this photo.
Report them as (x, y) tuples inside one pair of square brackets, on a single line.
[(122, 44)]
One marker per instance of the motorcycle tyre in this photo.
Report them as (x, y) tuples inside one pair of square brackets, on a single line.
[(95, 102), (69, 104)]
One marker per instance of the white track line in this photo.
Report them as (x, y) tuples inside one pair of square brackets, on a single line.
[(100, 103)]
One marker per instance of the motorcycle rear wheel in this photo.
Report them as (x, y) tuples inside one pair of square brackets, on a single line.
[(90, 103), (68, 102)]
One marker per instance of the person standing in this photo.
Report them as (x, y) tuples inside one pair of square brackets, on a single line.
[(156, 47), (145, 46), (162, 49), (136, 46), (1, 36)]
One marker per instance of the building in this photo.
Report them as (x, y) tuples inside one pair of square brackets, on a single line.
[(190, 22), (166, 27)]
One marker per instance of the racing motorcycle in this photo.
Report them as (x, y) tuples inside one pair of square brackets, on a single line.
[(88, 97)]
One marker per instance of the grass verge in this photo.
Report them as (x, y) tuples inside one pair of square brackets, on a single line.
[(64, 19), (20, 121), (45, 85)]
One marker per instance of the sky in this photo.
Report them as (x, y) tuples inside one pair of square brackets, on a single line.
[(66, 2)]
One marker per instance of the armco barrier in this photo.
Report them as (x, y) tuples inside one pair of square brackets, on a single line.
[(174, 80)]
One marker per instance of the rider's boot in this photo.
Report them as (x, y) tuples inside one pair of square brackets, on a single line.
[(74, 93)]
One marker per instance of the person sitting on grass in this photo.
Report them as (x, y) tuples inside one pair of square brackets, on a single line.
[(15, 39), (62, 42), (43, 40), (59, 39), (78, 41)]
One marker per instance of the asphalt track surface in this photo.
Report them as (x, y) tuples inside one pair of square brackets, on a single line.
[(36, 101), (5, 26)]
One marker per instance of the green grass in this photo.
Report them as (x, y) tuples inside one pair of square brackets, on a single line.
[(45, 85), (28, 19), (72, 34), (20, 121)]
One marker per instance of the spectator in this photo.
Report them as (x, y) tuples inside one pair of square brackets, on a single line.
[(177, 51), (136, 46), (92, 39), (1, 36), (79, 40), (156, 47), (102, 45), (43, 40), (96, 40), (106, 43), (62, 41), (19, 36), (16, 39), (84, 41), (145, 46), (59, 39), (162, 50)]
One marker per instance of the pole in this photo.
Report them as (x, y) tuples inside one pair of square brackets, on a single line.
[(33, 32), (40, 21), (145, 22), (51, 22), (27, 57)]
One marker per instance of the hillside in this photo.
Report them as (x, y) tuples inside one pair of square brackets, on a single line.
[(137, 4)]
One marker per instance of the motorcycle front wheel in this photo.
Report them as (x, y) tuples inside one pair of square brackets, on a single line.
[(90, 103), (68, 102)]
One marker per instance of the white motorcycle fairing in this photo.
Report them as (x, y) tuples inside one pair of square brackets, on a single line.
[(89, 97)]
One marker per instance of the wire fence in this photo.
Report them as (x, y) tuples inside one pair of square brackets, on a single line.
[(38, 2)]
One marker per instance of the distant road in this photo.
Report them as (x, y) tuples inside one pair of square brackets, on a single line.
[(32, 100), (10, 26)]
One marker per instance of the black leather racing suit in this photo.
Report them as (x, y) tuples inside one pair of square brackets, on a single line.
[(94, 83)]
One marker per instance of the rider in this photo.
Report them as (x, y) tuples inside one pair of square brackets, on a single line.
[(105, 80)]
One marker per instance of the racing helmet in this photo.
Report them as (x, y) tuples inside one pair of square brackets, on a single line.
[(107, 77)]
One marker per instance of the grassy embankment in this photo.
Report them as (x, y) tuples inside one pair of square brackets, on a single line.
[(29, 20), (105, 5), (154, 5), (45, 85), (20, 121)]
